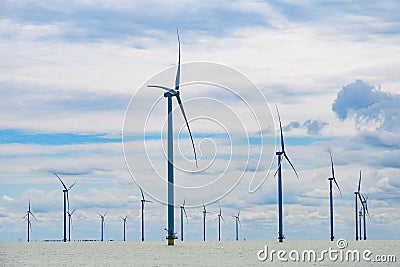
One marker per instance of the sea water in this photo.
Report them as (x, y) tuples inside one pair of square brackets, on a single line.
[(199, 253)]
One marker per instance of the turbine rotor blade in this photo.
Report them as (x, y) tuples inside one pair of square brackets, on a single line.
[(287, 158), (69, 188), (187, 124), (359, 183), (280, 127), (178, 71), (60, 181), (33, 216), (333, 170), (141, 191), (337, 185), (172, 91)]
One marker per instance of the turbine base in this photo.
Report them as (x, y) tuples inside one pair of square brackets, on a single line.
[(171, 241), (280, 239)]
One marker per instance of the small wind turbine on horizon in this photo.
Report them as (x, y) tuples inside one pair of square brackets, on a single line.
[(204, 222), (70, 224), (279, 172), (170, 93), (102, 225), (219, 223), (124, 225), (357, 196), (66, 201), (331, 193), (183, 211), (237, 220), (143, 200), (365, 212), (27, 216)]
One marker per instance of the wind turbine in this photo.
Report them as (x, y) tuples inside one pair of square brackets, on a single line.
[(170, 93), (124, 220), (237, 220), (27, 216), (143, 200), (66, 200), (204, 222), (183, 211), (365, 212), (219, 223), (279, 171), (102, 225), (70, 224), (331, 194), (357, 196)]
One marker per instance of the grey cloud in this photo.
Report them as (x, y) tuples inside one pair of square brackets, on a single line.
[(368, 105)]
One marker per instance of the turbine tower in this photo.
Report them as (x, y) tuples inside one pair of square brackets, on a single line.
[(66, 201), (169, 94), (124, 220), (279, 171), (183, 211), (70, 224), (357, 196), (237, 220), (29, 223), (143, 200), (331, 194), (204, 222), (102, 225), (219, 223)]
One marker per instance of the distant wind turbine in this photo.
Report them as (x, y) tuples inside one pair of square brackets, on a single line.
[(279, 171), (70, 224), (102, 225), (237, 220), (219, 223), (365, 212), (170, 93), (357, 196), (143, 200), (124, 220), (331, 194), (66, 201), (204, 222), (183, 211), (27, 216)]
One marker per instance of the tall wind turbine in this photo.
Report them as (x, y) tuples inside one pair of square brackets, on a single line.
[(27, 216), (365, 212), (143, 200), (219, 223), (237, 220), (183, 211), (124, 220), (170, 93), (357, 196), (279, 171), (66, 201), (70, 224), (204, 222), (331, 194), (102, 225)]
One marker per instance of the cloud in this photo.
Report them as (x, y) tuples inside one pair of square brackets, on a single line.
[(370, 107), (313, 127)]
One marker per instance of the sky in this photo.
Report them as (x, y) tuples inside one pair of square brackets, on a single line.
[(74, 78)]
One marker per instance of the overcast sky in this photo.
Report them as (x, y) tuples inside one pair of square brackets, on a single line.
[(69, 70)]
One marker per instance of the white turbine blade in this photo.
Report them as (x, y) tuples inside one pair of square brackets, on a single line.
[(73, 211), (333, 170), (172, 91), (359, 183), (60, 181), (280, 127), (69, 188), (178, 71), (334, 179), (187, 124), (287, 158), (184, 211), (33, 215)]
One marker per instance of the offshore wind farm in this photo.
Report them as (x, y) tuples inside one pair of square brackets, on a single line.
[(220, 176)]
